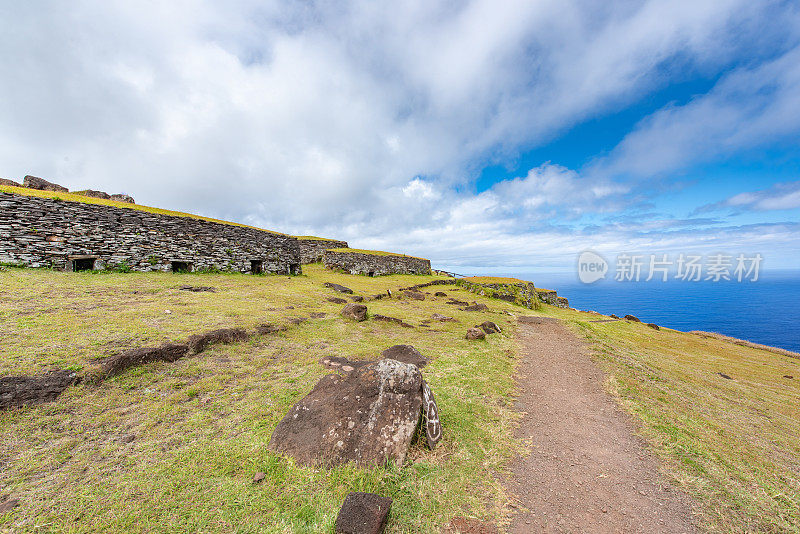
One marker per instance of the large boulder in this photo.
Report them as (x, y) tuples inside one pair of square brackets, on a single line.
[(368, 416), (32, 182), (489, 327), (357, 312)]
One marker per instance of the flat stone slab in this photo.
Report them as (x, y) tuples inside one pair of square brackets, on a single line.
[(363, 513), (339, 288), (367, 416)]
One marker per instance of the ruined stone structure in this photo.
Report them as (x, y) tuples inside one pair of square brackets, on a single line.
[(312, 248), (71, 235), (519, 292), (374, 263)]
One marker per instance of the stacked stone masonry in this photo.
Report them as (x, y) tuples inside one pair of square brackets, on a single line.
[(375, 264), (311, 250), (45, 232)]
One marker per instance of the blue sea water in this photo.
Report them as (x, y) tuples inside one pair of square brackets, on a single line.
[(766, 311)]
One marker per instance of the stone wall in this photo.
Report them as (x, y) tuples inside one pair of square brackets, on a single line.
[(46, 232), (311, 249), (355, 262), (522, 293)]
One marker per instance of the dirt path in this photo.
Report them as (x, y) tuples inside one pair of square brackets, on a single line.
[(587, 471)]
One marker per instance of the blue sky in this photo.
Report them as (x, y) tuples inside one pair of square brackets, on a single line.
[(489, 136)]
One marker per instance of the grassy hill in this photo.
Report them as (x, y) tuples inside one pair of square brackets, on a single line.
[(172, 447)]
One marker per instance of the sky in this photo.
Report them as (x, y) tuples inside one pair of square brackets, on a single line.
[(489, 136)]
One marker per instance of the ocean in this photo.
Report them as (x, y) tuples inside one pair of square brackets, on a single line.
[(766, 311)]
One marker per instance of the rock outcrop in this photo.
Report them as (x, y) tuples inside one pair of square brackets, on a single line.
[(3, 181), (405, 354), (32, 182), (123, 198), (368, 416)]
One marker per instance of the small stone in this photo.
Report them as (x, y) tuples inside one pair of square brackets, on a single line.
[(7, 505), (128, 438), (440, 294), (632, 318), (259, 477), (363, 513), (357, 312), (654, 326), (357, 298), (337, 300), (339, 288), (475, 334), (489, 327)]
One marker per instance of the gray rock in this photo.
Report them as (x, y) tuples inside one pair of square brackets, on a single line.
[(363, 513), (32, 182), (94, 194), (339, 288), (442, 318), (367, 416), (123, 198)]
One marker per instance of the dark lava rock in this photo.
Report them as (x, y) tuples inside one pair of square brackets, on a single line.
[(368, 417), (475, 333), (457, 302), (18, 391), (3, 181), (386, 318), (415, 295), (442, 318), (199, 342), (337, 300), (489, 327), (357, 312), (123, 198), (94, 194), (405, 354), (788, 376), (130, 358), (654, 326), (337, 287), (268, 328), (363, 513), (198, 289), (440, 294), (32, 182), (726, 377), (613, 316), (259, 477), (507, 298), (476, 307), (297, 320), (340, 363), (317, 315), (632, 318), (357, 298)]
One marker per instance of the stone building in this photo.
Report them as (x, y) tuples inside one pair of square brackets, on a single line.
[(312, 248), (374, 263), (60, 230)]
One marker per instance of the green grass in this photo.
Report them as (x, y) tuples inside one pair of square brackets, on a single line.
[(372, 252), (202, 424), (732, 444), (77, 197)]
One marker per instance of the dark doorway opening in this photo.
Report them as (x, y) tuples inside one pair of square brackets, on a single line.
[(83, 264), (256, 266), (181, 267), (294, 268), (371, 274)]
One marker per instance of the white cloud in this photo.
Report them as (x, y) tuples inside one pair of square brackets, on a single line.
[(360, 120), (781, 196)]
